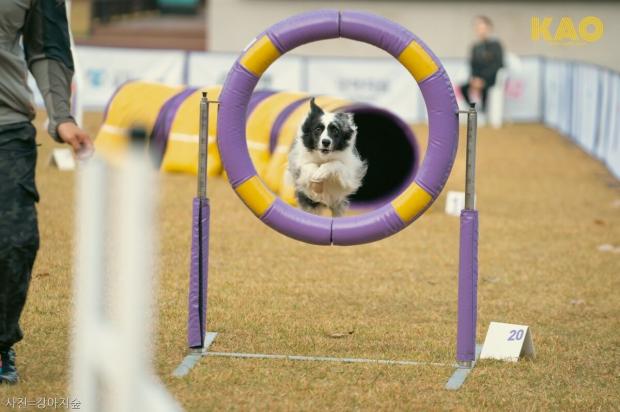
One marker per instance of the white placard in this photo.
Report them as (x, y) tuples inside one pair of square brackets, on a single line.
[(455, 202), (508, 342), (62, 159)]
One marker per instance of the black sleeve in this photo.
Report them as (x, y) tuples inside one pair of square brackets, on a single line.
[(47, 47), (494, 62), (472, 63)]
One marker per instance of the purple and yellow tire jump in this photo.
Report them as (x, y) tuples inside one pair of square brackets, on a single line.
[(412, 53)]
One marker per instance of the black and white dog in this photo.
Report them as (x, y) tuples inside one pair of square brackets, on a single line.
[(323, 164)]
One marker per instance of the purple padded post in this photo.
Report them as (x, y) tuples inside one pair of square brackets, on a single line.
[(199, 269), (468, 287)]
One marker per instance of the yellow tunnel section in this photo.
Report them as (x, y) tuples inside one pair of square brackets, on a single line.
[(181, 152), (145, 104), (133, 104), (260, 125)]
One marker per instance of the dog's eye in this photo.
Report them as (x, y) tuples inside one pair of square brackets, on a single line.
[(318, 130)]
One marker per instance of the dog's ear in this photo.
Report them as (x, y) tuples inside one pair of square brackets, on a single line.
[(314, 108), (347, 120), (348, 116)]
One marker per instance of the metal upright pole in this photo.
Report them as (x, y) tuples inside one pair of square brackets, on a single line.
[(470, 166), (468, 255), (203, 143), (199, 265)]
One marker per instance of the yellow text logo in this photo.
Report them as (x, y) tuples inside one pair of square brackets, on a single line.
[(587, 30)]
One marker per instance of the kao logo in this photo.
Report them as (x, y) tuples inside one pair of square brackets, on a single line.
[(588, 30)]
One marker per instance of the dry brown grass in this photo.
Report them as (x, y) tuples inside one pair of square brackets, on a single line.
[(545, 206)]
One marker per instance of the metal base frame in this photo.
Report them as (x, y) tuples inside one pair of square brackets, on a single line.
[(468, 352), (463, 369), (454, 383)]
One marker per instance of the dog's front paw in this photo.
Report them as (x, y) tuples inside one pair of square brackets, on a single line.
[(321, 174), (316, 187)]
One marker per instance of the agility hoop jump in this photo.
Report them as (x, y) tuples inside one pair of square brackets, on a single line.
[(378, 224)]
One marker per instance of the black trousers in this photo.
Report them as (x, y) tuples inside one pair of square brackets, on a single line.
[(19, 233), (483, 97)]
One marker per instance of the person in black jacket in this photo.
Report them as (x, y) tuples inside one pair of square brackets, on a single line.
[(486, 58), (41, 27)]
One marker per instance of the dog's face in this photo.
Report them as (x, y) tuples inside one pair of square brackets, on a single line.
[(325, 132)]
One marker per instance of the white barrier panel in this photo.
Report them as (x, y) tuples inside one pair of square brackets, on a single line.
[(558, 91), (585, 106), (211, 68), (583, 101), (105, 69), (523, 92), (604, 118), (382, 82), (551, 109), (612, 158)]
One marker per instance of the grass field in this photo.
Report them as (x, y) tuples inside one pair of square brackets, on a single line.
[(545, 208)]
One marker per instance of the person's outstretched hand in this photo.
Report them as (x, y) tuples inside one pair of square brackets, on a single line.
[(79, 140)]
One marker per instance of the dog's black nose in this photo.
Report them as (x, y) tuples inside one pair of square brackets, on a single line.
[(325, 142)]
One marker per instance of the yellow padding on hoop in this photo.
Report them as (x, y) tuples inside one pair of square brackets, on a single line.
[(256, 195), (260, 55), (411, 202), (419, 63)]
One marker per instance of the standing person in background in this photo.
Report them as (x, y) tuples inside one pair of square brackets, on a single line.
[(42, 26), (486, 58)]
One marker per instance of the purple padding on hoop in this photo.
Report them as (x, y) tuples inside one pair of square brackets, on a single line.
[(375, 225), (231, 124), (282, 117), (376, 30), (304, 28), (297, 224), (442, 131), (256, 98), (379, 31)]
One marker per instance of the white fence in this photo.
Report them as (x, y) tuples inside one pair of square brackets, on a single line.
[(580, 100)]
